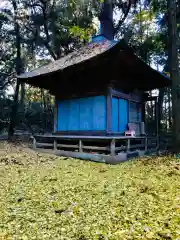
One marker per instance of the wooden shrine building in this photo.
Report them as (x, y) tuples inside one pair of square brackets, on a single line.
[(100, 92)]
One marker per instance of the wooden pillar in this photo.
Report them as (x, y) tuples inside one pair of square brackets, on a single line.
[(55, 115), (55, 145), (143, 112), (128, 144), (146, 144), (113, 147), (34, 143), (80, 146)]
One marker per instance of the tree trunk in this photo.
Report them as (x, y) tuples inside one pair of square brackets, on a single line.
[(13, 118), (18, 71), (106, 19), (160, 107), (22, 94), (169, 109), (173, 66)]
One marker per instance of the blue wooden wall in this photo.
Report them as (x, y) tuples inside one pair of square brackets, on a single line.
[(135, 115), (123, 115), (119, 114), (115, 114), (82, 114), (90, 114)]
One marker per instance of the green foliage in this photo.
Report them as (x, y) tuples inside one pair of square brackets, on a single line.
[(46, 197), (144, 16), (35, 116), (83, 34)]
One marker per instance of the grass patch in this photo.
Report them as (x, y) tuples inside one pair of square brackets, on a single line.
[(46, 197)]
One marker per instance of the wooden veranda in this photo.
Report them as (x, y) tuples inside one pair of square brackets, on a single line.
[(106, 149)]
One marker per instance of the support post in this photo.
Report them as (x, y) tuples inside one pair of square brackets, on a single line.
[(146, 143), (34, 143), (113, 147), (143, 112), (80, 146), (55, 115), (55, 145), (128, 144)]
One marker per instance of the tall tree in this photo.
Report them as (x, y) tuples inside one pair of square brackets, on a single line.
[(18, 69), (174, 71)]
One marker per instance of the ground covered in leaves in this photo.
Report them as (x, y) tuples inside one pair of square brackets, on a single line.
[(46, 197)]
